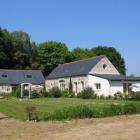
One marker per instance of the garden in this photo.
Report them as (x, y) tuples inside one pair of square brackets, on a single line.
[(62, 105)]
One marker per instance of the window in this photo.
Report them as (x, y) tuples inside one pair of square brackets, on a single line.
[(62, 84), (104, 66), (29, 76), (4, 75), (98, 86)]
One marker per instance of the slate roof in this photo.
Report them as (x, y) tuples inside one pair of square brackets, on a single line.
[(115, 77), (76, 68), (15, 77)]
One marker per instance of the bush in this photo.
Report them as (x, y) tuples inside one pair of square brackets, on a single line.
[(116, 109), (55, 92), (118, 95), (79, 95), (35, 94), (87, 93), (16, 92), (135, 96), (65, 93), (110, 97), (102, 97), (44, 93), (129, 109)]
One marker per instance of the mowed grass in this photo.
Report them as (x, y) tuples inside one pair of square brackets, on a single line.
[(15, 108)]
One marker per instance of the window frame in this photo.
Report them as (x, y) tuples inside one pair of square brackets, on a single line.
[(62, 84), (28, 76), (4, 75), (98, 86)]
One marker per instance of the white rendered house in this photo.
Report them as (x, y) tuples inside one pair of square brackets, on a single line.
[(96, 72)]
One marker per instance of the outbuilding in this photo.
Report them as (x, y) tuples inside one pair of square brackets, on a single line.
[(24, 78)]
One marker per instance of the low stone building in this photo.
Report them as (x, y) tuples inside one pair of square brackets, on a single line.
[(11, 78), (96, 72)]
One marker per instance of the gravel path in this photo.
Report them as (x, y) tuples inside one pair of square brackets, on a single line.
[(114, 128)]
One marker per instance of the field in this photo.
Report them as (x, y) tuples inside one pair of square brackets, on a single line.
[(15, 108)]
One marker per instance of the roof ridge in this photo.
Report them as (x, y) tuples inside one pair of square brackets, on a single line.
[(82, 60)]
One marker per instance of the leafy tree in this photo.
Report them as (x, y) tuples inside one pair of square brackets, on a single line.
[(24, 50), (50, 54), (6, 49), (79, 53), (18, 51), (113, 55)]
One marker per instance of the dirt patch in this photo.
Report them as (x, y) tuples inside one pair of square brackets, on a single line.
[(114, 128)]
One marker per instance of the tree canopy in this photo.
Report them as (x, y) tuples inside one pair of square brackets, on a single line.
[(50, 54), (17, 51)]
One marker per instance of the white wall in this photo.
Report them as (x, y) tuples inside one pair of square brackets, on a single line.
[(105, 86), (5, 88), (116, 86)]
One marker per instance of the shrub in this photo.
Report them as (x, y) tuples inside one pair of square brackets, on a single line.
[(118, 95), (71, 94), (35, 94), (65, 93), (109, 97), (129, 109), (79, 95), (116, 109), (87, 93), (16, 92), (135, 96), (44, 93), (126, 97), (102, 97), (55, 92)]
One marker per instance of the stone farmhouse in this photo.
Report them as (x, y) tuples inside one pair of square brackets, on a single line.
[(96, 72)]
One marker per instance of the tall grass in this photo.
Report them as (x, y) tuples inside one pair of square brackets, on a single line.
[(89, 111)]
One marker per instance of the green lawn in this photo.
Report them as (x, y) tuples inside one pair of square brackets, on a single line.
[(14, 107)]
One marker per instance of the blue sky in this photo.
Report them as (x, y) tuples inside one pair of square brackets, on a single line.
[(83, 23)]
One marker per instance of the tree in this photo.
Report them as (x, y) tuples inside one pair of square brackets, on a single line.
[(79, 53), (23, 50), (50, 54), (6, 49), (70, 86), (113, 55)]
